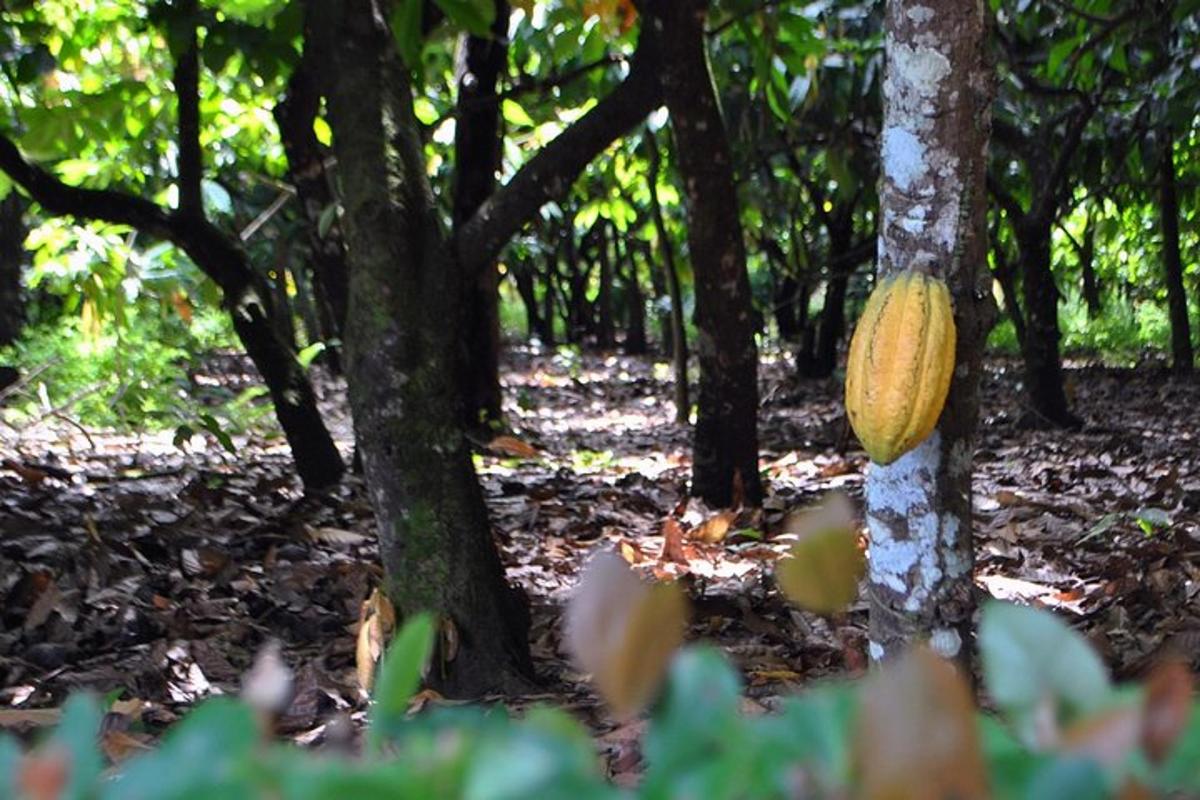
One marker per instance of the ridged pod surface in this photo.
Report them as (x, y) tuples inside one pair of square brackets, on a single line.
[(900, 365)]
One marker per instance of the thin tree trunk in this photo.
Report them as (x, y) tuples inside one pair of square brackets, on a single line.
[(477, 148), (435, 538), (635, 301), (548, 298), (1087, 266), (306, 158), (679, 346), (605, 327), (725, 444), (1043, 362), (281, 304), (1005, 273), (12, 260), (937, 111), (1181, 335), (524, 276)]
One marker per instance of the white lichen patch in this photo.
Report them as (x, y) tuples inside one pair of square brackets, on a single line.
[(903, 157), (945, 642), (875, 651), (920, 14), (915, 74)]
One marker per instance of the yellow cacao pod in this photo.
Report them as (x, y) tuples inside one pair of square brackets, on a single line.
[(900, 365)]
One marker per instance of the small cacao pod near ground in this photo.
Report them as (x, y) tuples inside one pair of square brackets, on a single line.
[(900, 365)]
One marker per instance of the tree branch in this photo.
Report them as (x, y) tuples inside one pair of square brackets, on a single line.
[(549, 174)]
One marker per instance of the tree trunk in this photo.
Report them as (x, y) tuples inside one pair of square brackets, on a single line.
[(477, 146), (1006, 275), (725, 451), (548, 298), (937, 112), (1043, 363), (605, 328), (783, 298), (1087, 266), (306, 157), (404, 314), (679, 347), (12, 261), (524, 276), (635, 301), (1181, 335)]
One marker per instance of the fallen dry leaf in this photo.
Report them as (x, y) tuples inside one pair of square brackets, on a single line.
[(512, 446)]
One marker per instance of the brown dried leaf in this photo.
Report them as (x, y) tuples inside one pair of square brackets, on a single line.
[(512, 446), (714, 529), (29, 717), (672, 533), (917, 736), (376, 621), (623, 631)]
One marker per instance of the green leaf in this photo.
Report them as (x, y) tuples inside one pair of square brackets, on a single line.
[(406, 28), (1030, 657), (328, 215), (514, 114), (212, 426), (475, 16), (306, 356), (400, 673)]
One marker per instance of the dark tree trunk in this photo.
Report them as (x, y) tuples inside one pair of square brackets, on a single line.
[(605, 327), (1181, 335), (281, 304), (477, 148), (679, 347), (524, 277), (937, 112), (548, 311), (1043, 362), (306, 158), (783, 298), (1006, 274), (1087, 266), (725, 456), (635, 302), (12, 260), (435, 538)]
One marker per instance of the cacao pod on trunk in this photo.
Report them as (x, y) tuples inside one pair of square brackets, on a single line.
[(900, 365)]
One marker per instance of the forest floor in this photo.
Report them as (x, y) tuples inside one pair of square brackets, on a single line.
[(133, 569)]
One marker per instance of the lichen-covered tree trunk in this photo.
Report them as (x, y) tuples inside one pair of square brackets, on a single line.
[(1048, 404), (434, 533), (1181, 335), (937, 100), (725, 443)]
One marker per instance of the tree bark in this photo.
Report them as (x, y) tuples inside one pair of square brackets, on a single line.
[(1181, 335), (605, 327), (478, 140), (306, 158), (725, 443), (1087, 266), (1043, 362), (434, 533), (548, 311), (937, 111), (635, 302), (12, 261)]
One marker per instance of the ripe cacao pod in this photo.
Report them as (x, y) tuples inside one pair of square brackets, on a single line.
[(900, 365)]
